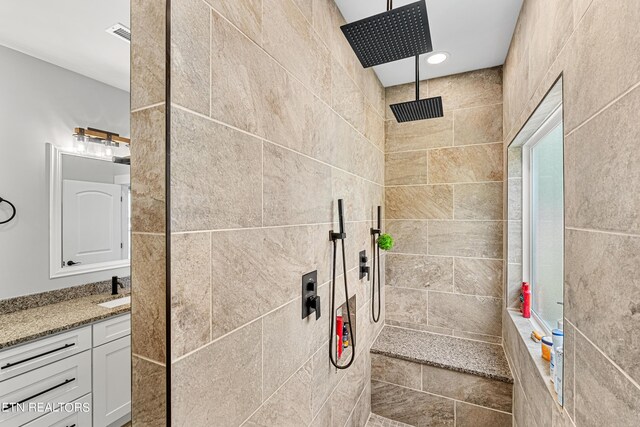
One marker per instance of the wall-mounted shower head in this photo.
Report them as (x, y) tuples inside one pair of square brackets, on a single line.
[(390, 36), (420, 109)]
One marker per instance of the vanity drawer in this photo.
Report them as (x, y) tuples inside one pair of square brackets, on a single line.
[(77, 416), (24, 397), (27, 357), (112, 329)]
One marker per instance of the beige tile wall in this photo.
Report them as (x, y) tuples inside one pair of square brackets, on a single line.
[(592, 44), (148, 243), (272, 120), (443, 196)]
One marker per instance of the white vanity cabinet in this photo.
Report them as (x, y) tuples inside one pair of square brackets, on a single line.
[(87, 370), (112, 372)]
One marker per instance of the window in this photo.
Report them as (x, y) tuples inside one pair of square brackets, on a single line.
[(543, 219)]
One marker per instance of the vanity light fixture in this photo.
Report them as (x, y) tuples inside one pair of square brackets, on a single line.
[(100, 136), (437, 58)]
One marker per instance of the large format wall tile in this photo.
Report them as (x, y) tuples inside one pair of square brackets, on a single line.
[(410, 406), (476, 163), (410, 237), (216, 177), (600, 385), (190, 292), (290, 39), (592, 82), (467, 388), (602, 161), (284, 329), (406, 305), (148, 51), (481, 239), (245, 14), (190, 54), (602, 293), (256, 271), (148, 173), (464, 312), (290, 406), (478, 276), (148, 389), (419, 271), (396, 371), (478, 201), (473, 89), (148, 301), (346, 97), (475, 416), (405, 168), (419, 202), (297, 190), (419, 135), (478, 125), (251, 91), (220, 384), (345, 396)]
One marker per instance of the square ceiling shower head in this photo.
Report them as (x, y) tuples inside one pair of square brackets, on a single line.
[(429, 108), (390, 36)]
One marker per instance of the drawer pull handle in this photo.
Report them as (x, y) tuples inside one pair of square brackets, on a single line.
[(12, 404), (72, 425), (8, 365)]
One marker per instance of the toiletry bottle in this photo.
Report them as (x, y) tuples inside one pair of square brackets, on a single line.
[(339, 330), (552, 365), (345, 337), (526, 300), (557, 383)]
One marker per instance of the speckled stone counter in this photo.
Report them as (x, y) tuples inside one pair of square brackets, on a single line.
[(457, 354), (28, 324)]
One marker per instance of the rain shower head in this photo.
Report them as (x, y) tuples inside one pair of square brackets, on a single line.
[(420, 109), (390, 36)]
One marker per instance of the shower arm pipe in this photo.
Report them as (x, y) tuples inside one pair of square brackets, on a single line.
[(417, 77), (332, 333)]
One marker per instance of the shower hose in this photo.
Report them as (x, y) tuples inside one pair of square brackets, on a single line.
[(376, 254), (332, 315)]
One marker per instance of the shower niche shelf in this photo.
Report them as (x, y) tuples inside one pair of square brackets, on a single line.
[(344, 353)]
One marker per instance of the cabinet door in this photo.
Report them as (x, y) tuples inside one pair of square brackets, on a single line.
[(112, 382)]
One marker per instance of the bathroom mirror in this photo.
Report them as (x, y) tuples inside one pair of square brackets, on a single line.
[(89, 212)]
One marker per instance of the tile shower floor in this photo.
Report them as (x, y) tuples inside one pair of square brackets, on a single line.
[(378, 421)]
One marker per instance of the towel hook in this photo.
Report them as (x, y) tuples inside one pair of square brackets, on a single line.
[(12, 207)]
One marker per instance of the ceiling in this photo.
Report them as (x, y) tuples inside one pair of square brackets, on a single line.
[(475, 33), (70, 34)]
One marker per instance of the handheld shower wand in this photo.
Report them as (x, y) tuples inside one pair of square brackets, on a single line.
[(334, 237), (376, 254)]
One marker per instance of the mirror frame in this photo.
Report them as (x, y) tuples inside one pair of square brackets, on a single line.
[(54, 174)]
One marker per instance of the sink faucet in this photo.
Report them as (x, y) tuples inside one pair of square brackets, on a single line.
[(114, 285)]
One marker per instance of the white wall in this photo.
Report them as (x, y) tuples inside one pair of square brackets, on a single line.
[(40, 103)]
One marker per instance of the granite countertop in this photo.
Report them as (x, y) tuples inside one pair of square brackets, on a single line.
[(457, 354), (31, 323)]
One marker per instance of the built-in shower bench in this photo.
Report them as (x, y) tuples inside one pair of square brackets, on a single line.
[(421, 378)]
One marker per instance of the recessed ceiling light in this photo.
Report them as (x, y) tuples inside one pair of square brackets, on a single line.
[(437, 58)]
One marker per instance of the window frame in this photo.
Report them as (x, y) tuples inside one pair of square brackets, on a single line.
[(550, 124)]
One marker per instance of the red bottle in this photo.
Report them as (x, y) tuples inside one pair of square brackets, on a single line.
[(526, 300), (339, 324)]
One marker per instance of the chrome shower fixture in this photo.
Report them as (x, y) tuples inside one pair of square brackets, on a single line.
[(390, 36)]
